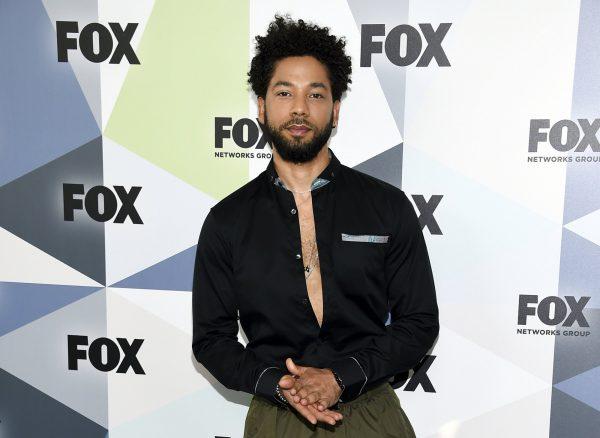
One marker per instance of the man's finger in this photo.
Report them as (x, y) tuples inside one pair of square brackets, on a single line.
[(326, 416), (303, 393), (312, 414), (293, 368), (310, 398), (313, 397), (305, 411), (335, 414), (287, 382)]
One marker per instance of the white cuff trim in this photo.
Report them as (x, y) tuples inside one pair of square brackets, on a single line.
[(363, 371), (256, 386)]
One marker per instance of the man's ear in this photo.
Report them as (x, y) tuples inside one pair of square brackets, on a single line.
[(261, 110), (336, 112)]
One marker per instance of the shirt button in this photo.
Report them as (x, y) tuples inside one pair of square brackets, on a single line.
[(298, 256), (293, 211), (305, 301)]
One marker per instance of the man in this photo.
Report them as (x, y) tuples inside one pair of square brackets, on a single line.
[(313, 255)]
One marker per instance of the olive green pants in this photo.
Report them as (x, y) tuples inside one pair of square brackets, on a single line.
[(376, 413)]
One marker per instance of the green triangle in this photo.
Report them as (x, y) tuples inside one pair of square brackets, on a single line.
[(194, 58)]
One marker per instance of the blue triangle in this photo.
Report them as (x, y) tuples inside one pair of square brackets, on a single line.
[(579, 267), (26, 302), (174, 273), (44, 109), (585, 387), (582, 196)]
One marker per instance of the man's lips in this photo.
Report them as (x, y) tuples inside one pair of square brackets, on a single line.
[(298, 130)]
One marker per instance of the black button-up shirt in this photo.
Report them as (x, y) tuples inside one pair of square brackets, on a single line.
[(374, 264)]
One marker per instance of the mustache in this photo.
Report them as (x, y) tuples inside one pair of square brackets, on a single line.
[(297, 121)]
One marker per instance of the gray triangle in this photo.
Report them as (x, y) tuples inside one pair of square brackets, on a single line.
[(386, 166), (31, 413), (391, 77), (574, 355), (86, 72), (32, 208), (570, 418)]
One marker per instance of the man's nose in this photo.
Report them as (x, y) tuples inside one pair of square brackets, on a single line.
[(299, 106)]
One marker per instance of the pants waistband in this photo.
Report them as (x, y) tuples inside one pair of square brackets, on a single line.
[(366, 396)]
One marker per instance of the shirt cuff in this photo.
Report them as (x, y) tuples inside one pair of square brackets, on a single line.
[(267, 382), (352, 376)]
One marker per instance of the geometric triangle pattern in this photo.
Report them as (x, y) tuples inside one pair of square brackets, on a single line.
[(87, 73), (577, 354), (392, 79), (68, 234), (18, 256), (529, 418), (579, 258), (145, 235), (43, 110), (385, 166), (108, 170), (587, 226), (164, 356), (173, 273), (575, 407), (583, 387), (40, 354), (50, 417), (571, 417), (23, 303)]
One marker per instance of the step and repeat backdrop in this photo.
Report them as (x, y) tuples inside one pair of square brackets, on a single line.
[(123, 122)]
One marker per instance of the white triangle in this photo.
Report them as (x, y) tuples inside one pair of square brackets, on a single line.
[(170, 306), (172, 211), (469, 380), (492, 249), (37, 353), (18, 256), (113, 75), (165, 356), (587, 226), (360, 136), (474, 116), (528, 417)]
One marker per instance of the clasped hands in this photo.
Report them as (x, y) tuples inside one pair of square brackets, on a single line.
[(311, 391)]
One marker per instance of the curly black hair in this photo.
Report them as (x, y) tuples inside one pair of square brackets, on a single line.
[(286, 37)]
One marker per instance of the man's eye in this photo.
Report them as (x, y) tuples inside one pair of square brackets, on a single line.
[(282, 92), (318, 95)]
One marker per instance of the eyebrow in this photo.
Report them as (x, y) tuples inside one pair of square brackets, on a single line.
[(289, 84)]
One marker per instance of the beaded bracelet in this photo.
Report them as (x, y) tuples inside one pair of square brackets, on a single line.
[(339, 382), (280, 396)]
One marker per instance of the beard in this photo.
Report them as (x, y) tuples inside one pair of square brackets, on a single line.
[(297, 150)]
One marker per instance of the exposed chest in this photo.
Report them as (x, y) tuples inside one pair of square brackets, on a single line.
[(310, 255)]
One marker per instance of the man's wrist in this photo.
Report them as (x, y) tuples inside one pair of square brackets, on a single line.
[(279, 395), (352, 375), (339, 382), (268, 382)]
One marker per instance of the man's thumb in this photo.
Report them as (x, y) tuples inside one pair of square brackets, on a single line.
[(286, 382), (292, 367)]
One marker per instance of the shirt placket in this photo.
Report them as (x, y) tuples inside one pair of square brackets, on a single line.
[(295, 242)]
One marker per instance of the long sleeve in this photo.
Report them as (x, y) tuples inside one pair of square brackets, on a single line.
[(413, 306), (214, 314)]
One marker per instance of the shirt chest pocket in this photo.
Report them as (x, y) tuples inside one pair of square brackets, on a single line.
[(361, 256)]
